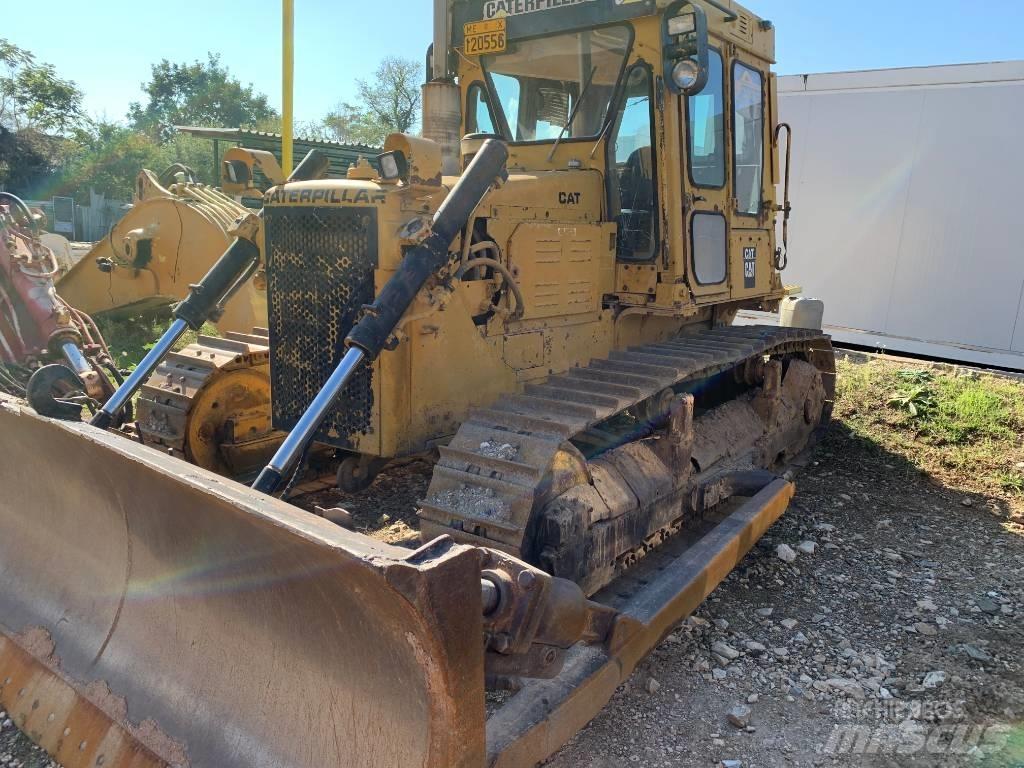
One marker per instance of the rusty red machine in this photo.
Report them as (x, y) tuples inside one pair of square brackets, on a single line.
[(50, 353)]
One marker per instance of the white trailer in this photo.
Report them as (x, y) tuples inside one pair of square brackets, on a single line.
[(908, 207)]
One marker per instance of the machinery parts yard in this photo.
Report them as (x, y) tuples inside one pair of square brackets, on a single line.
[(893, 641)]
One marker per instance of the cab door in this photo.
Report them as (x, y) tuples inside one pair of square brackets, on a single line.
[(708, 185), (750, 257)]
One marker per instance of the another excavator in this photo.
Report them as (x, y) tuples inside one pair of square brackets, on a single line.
[(174, 231), (547, 303)]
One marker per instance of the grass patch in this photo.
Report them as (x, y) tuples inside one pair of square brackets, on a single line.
[(131, 338), (965, 430)]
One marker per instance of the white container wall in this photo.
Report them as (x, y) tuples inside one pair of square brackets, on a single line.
[(908, 207)]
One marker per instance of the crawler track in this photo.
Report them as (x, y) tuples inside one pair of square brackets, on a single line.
[(210, 396), (503, 464)]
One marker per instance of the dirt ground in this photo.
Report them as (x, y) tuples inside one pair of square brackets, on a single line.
[(892, 638)]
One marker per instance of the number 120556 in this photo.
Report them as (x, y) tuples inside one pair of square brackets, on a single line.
[(485, 37)]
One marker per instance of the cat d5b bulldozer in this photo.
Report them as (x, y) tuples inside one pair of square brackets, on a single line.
[(542, 290)]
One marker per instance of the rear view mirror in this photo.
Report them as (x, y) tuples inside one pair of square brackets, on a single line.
[(685, 48)]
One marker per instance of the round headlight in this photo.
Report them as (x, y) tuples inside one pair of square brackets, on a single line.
[(685, 74)]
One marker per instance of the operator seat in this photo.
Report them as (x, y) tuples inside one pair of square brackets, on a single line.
[(636, 197)]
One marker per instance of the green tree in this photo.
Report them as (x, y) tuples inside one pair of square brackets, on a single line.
[(32, 96), (38, 110), (110, 157), (200, 93), (390, 103)]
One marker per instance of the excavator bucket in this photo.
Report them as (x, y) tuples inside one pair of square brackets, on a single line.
[(155, 614)]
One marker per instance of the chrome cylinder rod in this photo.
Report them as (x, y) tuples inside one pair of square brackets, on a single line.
[(75, 358), (106, 415), (302, 434)]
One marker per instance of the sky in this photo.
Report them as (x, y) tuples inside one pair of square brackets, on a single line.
[(108, 47)]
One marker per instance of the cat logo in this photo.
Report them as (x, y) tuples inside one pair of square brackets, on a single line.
[(750, 267)]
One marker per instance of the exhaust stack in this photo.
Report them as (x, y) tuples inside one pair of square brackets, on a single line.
[(442, 111)]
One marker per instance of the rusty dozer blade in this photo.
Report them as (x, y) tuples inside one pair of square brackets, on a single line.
[(155, 614)]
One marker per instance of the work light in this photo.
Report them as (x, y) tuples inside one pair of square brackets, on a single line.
[(685, 74), (393, 166), (682, 25)]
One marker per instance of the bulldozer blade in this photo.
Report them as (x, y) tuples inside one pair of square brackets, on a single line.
[(155, 614)]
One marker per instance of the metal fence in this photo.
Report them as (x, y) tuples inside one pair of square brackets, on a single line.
[(93, 221)]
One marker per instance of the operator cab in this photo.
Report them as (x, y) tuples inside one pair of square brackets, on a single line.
[(669, 102)]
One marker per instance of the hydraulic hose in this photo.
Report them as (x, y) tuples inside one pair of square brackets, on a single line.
[(370, 335)]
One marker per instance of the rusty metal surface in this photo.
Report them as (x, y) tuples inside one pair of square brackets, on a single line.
[(545, 714), (74, 729), (210, 404), (247, 632)]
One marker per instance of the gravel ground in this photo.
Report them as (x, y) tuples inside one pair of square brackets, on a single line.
[(17, 751), (878, 624), (895, 641)]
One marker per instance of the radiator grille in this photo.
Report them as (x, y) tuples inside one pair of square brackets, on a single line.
[(320, 264)]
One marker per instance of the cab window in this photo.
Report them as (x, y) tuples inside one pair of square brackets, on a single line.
[(560, 85), (706, 125), (478, 111), (632, 169), (748, 117)]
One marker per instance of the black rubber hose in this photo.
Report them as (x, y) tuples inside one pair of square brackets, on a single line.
[(371, 333)]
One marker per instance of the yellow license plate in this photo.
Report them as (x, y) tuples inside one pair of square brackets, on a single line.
[(485, 37)]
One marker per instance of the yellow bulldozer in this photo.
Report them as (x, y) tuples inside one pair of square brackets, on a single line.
[(542, 291)]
